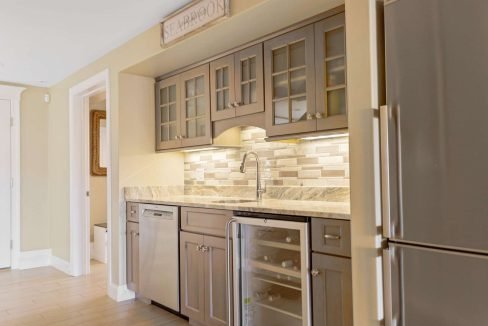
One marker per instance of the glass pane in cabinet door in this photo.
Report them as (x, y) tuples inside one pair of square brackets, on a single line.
[(280, 60), (281, 112), (220, 101), (200, 125), (164, 114), (164, 133), (218, 79), (245, 93), (334, 43), (163, 95), (172, 131), (225, 76), (336, 102), (335, 72), (200, 105), (299, 109), (252, 68), (200, 88), (280, 85), (270, 280), (191, 128), (190, 88), (172, 112), (190, 108), (252, 87), (226, 99), (172, 93), (245, 70), (298, 82), (297, 54)]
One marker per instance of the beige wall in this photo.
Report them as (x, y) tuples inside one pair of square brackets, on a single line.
[(34, 217), (139, 49)]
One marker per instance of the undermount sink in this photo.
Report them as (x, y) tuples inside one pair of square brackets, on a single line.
[(233, 201)]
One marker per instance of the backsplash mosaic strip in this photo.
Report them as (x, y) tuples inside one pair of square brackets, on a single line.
[(314, 163)]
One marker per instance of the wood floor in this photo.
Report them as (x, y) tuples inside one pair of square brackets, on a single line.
[(46, 296)]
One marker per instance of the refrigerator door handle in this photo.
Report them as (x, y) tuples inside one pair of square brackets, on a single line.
[(385, 169), (228, 229), (387, 291)]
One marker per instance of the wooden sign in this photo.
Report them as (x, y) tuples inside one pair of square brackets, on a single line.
[(192, 18)]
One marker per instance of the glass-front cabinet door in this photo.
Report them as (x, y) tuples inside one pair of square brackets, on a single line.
[(222, 88), (290, 82), (330, 62), (271, 273), (195, 111), (249, 83), (168, 130)]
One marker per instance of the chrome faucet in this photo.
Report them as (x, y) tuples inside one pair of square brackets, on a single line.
[(260, 190)]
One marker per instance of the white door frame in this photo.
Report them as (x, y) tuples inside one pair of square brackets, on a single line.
[(12, 94), (79, 157)]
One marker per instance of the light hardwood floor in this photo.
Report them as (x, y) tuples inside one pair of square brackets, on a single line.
[(46, 296)]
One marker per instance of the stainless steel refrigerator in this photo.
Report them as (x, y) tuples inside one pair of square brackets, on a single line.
[(434, 152)]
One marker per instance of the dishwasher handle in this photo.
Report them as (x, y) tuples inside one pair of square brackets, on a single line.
[(158, 214)]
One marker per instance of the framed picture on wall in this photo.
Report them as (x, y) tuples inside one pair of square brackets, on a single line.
[(98, 143)]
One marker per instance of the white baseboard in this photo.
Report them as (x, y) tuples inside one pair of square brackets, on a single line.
[(120, 292), (61, 265), (34, 258)]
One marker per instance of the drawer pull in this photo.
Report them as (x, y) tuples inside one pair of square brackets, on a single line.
[(332, 237), (315, 272), (132, 212)]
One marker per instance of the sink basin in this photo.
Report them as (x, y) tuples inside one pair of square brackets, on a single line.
[(233, 201)]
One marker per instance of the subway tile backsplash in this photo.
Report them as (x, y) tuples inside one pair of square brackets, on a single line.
[(313, 163)]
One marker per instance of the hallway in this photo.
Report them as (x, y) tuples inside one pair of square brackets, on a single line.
[(46, 296)]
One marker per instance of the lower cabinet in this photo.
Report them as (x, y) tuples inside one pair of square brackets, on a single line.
[(132, 240), (203, 278), (332, 290)]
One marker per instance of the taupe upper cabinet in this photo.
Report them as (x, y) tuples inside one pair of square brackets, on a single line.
[(195, 107), (330, 63), (183, 110), (168, 112), (236, 83), (290, 82)]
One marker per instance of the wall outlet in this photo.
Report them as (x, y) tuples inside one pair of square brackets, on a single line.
[(200, 174)]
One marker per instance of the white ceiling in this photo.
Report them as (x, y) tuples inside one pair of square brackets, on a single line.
[(44, 41)]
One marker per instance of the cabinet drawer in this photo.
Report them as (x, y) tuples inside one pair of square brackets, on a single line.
[(331, 236), (132, 212), (203, 220)]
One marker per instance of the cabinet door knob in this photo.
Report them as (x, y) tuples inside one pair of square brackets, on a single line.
[(309, 116), (315, 272), (236, 104), (176, 137), (199, 247), (318, 115), (204, 248)]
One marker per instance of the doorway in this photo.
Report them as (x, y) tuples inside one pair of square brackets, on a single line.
[(88, 190), (9, 175)]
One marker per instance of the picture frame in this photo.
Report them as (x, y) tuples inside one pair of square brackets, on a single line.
[(97, 118)]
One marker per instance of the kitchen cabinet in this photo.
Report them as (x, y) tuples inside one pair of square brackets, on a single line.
[(332, 290), (132, 243), (305, 79), (236, 84), (290, 82), (330, 65), (183, 110), (203, 278)]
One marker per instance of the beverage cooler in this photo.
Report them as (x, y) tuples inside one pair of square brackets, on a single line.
[(270, 264)]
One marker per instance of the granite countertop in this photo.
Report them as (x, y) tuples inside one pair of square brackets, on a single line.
[(323, 209)]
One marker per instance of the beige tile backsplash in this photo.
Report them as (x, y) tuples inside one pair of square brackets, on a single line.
[(312, 163)]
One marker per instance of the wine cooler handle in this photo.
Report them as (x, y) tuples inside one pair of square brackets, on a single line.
[(228, 248)]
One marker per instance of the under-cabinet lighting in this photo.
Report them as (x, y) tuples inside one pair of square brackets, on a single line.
[(199, 149), (326, 136)]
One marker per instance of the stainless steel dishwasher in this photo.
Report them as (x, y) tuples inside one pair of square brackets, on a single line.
[(158, 254)]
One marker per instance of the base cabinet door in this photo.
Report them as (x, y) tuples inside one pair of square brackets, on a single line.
[(192, 279), (132, 241), (215, 281), (332, 290)]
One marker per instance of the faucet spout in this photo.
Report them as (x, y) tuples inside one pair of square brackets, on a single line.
[(259, 187)]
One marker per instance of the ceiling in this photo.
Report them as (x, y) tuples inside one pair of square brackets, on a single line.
[(44, 41)]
